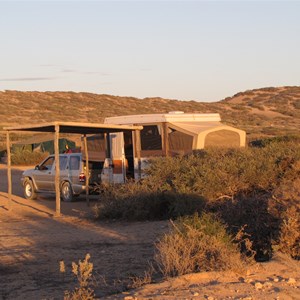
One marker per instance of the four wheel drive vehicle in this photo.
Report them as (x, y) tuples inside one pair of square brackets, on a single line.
[(72, 177)]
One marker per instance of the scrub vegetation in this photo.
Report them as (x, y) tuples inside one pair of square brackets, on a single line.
[(256, 189), (199, 244), (261, 112), (27, 157)]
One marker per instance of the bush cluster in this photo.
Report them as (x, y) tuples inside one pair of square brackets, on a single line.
[(255, 187), (138, 201), (216, 173)]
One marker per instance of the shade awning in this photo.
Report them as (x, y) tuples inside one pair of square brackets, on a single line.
[(75, 127)]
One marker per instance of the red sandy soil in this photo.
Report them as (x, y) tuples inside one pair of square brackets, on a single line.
[(33, 242)]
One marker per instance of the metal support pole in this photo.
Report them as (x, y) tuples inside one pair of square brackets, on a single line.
[(107, 145), (87, 171), (57, 171), (9, 182)]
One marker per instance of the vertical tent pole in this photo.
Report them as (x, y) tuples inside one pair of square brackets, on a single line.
[(137, 150), (87, 171), (165, 138), (8, 169), (109, 157), (57, 170)]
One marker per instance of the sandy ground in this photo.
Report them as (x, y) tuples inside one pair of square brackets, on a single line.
[(33, 241), (278, 279)]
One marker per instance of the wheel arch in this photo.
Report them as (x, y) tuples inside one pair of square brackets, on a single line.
[(69, 198), (63, 182), (29, 178)]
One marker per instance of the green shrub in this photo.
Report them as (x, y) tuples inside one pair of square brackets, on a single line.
[(137, 201), (27, 157), (178, 185), (197, 244), (216, 173), (131, 202), (243, 186)]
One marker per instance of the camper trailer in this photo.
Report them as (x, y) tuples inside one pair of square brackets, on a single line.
[(171, 134)]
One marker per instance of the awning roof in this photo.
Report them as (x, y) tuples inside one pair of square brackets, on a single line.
[(75, 127)]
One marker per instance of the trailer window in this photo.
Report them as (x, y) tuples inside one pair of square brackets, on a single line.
[(151, 138)]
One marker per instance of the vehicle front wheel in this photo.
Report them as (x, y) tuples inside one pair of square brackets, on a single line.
[(66, 192), (29, 192)]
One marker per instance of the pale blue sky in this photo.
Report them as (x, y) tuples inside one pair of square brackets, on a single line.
[(186, 50)]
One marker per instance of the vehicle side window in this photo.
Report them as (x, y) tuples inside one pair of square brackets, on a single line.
[(74, 163), (63, 162), (47, 165)]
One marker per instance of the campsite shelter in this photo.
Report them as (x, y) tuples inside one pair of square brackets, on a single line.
[(178, 133), (43, 143), (69, 127)]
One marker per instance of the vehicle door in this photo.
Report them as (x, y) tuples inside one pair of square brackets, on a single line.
[(43, 174), (63, 160), (74, 165)]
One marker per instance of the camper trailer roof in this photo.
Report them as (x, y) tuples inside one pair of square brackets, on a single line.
[(170, 117)]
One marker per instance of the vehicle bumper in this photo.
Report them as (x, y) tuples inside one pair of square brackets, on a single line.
[(78, 188)]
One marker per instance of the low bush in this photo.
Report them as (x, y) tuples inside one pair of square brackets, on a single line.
[(197, 244), (275, 140), (287, 196), (252, 210), (216, 173), (289, 241), (27, 157), (138, 201)]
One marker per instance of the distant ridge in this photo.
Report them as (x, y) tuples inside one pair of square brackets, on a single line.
[(261, 112)]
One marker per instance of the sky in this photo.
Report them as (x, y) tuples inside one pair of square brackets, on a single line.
[(185, 50)]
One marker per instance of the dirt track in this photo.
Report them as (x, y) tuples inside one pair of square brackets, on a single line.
[(32, 242), (16, 176)]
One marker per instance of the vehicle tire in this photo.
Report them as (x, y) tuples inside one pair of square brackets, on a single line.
[(28, 189), (67, 192)]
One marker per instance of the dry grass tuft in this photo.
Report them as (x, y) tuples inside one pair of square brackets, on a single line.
[(197, 244), (137, 282), (83, 271)]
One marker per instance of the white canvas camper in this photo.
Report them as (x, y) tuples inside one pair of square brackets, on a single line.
[(170, 134)]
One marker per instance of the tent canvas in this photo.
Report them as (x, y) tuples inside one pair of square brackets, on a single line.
[(178, 133), (43, 143)]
